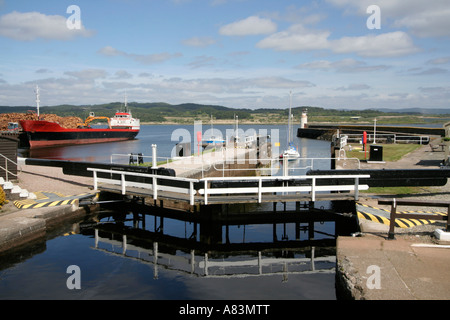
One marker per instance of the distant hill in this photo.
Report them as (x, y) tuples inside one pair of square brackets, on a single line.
[(419, 111), (147, 112), (163, 112)]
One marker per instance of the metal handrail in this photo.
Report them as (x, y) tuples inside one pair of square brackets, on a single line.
[(154, 184), (272, 160), (6, 167), (313, 188)]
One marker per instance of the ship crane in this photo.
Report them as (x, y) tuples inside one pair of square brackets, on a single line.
[(91, 118)]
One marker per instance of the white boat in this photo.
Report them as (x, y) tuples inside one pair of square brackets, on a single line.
[(291, 152), (212, 139), (124, 120)]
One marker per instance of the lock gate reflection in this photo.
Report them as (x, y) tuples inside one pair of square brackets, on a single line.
[(213, 248)]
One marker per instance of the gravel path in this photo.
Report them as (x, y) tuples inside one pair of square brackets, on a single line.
[(50, 179)]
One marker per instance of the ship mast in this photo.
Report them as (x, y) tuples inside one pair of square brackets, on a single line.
[(37, 100), (289, 119)]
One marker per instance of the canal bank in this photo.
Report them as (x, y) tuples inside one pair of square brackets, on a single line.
[(22, 227), (414, 265), (19, 227)]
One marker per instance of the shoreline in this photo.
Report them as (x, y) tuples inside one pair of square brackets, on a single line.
[(282, 122)]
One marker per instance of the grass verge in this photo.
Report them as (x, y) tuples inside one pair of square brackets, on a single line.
[(391, 152)]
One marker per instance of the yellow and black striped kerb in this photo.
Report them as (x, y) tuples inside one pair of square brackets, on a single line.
[(399, 222), (24, 204), (48, 199), (380, 215)]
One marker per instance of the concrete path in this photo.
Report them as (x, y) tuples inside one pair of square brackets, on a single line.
[(412, 267), (404, 269)]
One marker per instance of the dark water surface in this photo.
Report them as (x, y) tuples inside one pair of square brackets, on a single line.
[(130, 252)]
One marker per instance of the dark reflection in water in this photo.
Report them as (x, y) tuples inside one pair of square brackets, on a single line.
[(135, 254)]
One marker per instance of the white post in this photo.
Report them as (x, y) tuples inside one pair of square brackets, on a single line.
[(191, 193), (154, 159), (313, 189), (356, 188), (122, 179), (95, 181), (374, 129), (206, 192), (259, 190), (155, 188), (285, 167)]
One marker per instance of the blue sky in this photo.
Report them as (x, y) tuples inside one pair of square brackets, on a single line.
[(235, 53)]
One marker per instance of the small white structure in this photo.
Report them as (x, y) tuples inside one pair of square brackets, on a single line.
[(304, 119)]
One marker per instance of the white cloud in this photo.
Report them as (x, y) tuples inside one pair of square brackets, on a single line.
[(87, 74), (233, 85), (33, 25), (342, 66), (110, 51), (354, 87), (141, 58), (422, 18), (428, 23), (250, 26), (384, 45), (296, 38), (199, 42), (430, 71), (442, 60), (123, 74), (202, 61)]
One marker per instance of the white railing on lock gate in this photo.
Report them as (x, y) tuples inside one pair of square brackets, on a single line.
[(154, 186), (285, 187), (208, 190)]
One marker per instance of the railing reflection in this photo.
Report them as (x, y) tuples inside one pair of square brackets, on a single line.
[(214, 258)]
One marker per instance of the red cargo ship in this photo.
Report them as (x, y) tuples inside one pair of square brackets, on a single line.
[(41, 134)]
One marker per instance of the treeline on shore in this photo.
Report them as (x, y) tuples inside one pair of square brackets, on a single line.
[(159, 112)]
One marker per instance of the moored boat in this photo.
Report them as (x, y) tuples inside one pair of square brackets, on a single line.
[(291, 152), (46, 134), (41, 133)]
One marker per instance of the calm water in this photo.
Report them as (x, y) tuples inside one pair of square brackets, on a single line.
[(163, 258), (167, 136)]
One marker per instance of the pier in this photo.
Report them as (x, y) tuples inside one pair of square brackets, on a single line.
[(391, 133)]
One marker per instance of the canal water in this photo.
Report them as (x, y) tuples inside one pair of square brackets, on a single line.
[(130, 252)]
